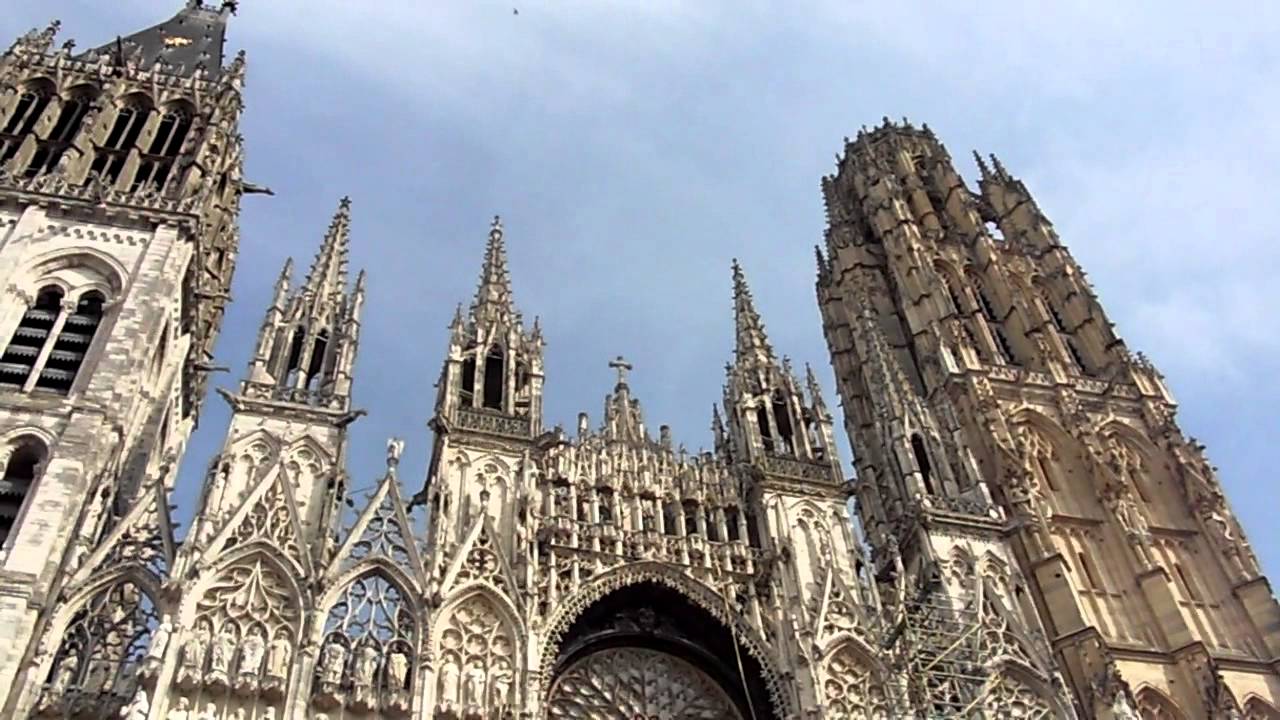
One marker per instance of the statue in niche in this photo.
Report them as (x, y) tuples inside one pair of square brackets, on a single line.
[(332, 660), (475, 685), (181, 712), (398, 670), (65, 675), (138, 707), (193, 652), (500, 684), (449, 680), (1132, 522), (251, 651), (210, 712), (363, 668), (269, 714), (159, 641), (222, 649), (278, 658)]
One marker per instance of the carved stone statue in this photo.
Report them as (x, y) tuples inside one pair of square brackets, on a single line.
[(332, 660), (138, 707), (398, 670), (449, 679), (475, 685), (366, 664), (210, 712), (251, 651), (1122, 709), (193, 655), (182, 711), (222, 649), (500, 685), (160, 640), (65, 675), (278, 658)]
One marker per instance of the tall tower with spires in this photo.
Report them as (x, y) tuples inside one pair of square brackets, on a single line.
[(1009, 444), (120, 188)]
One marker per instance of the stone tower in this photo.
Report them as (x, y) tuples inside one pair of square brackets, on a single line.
[(120, 185), (1010, 448)]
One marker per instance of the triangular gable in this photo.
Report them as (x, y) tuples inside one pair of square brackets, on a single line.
[(144, 536), (479, 559), (839, 611), (268, 514), (1005, 635), (382, 530)]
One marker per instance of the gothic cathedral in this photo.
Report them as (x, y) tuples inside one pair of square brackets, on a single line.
[(1037, 538)]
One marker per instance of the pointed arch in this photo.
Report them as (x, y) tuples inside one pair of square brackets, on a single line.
[(370, 641), (1154, 704), (853, 683), (23, 458), (695, 591), (1256, 708), (1017, 691), (475, 646), (104, 632), (1056, 459), (495, 378)]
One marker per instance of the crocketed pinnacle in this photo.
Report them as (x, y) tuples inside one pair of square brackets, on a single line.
[(752, 345), (328, 273), (493, 296)]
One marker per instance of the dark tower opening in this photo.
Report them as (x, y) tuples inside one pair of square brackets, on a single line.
[(766, 433), (72, 344), (111, 155), (31, 105), (468, 392), (29, 338), (19, 475), (782, 417), (316, 365), (494, 378), (922, 462)]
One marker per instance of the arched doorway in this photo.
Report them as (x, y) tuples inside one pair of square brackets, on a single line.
[(646, 651)]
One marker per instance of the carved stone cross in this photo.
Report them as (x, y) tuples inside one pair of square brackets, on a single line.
[(623, 367)]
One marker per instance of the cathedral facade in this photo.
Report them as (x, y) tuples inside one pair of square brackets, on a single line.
[(1037, 537)]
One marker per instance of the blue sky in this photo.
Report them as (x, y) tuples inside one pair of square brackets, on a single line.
[(633, 147)]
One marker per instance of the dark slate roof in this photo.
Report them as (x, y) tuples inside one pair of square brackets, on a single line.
[(193, 37)]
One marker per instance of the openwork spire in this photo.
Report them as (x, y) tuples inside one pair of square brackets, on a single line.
[(752, 347), (493, 295), (328, 273)]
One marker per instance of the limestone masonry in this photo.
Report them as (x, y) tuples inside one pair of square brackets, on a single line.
[(1041, 540)]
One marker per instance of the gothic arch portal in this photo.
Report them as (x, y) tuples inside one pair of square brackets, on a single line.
[(648, 608), (475, 649)]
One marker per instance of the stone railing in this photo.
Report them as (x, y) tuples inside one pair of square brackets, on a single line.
[(799, 469), (492, 423)]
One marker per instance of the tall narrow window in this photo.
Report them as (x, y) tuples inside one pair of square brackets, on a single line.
[(669, 511), (762, 420), (690, 518), (494, 378), (783, 418), (295, 357), (30, 106), (731, 520), (1046, 472), (1188, 586), (468, 392), (19, 474), (316, 365), (1090, 575), (713, 527), (72, 344), (51, 148), (111, 154), (158, 160), (28, 340), (922, 462), (605, 507)]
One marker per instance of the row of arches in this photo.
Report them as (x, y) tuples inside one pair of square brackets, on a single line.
[(53, 337), (485, 383), (156, 132), (22, 461)]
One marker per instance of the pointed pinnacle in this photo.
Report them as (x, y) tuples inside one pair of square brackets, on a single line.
[(999, 166), (493, 295), (751, 342), (982, 166), (328, 273)]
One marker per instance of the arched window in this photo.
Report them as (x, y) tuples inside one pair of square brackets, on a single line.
[(316, 364), (367, 656), (31, 104), (50, 149), (23, 352), (157, 161), (494, 378), (109, 160), (993, 320), (922, 462), (783, 417), (604, 506), (25, 460), (72, 343), (766, 432), (98, 663), (691, 518)]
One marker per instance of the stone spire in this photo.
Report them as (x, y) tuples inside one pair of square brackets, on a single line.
[(752, 347), (193, 38), (328, 273), (493, 295)]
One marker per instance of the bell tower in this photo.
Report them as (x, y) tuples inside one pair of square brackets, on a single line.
[(1009, 445), (120, 188)]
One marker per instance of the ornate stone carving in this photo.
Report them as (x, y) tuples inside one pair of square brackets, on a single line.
[(625, 683), (477, 651), (851, 688), (369, 648)]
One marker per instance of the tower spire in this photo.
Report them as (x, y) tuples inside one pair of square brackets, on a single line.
[(493, 295), (752, 345), (328, 273)]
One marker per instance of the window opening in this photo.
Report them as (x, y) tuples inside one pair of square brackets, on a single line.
[(922, 462), (72, 344), (494, 378), (28, 340), (19, 475)]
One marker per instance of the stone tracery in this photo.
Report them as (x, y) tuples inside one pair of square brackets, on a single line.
[(476, 659), (851, 687), (369, 650), (627, 682)]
